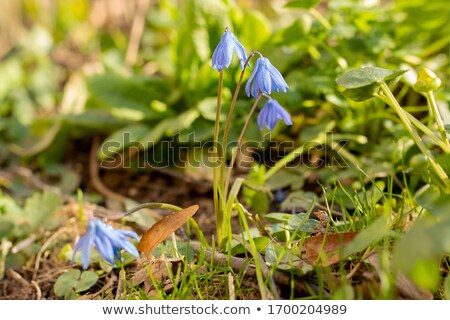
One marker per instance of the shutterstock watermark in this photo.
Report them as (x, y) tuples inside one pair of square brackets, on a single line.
[(191, 152)]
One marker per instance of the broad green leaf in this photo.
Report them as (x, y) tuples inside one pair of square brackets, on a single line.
[(288, 262), (420, 250), (305, 4), (87, 280), (255, 20), (261, 244), (361, 84), (285, 178), (167, 127), (277, 217), (122, 139), (129, 98), (99, 120), (66, 282), (302, 222), (373, 233), (428, 197), (40, 206), (425, 273)]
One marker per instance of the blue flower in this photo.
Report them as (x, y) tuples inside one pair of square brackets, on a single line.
[(265, 78), (271, 113), (224, 51), (107, 240)]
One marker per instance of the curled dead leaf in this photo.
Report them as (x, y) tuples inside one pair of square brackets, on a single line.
[(325, 249), (164, 228)]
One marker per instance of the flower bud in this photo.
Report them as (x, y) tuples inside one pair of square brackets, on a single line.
[(427, 81)]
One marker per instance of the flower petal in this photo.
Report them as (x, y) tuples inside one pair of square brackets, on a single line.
[(271, 113), (223, 53)]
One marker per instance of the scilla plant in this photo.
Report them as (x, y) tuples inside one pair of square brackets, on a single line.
[(264, 79)]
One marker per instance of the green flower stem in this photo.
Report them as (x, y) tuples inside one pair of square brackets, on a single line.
[(147, 205), (235, 151), (418, 140), (230, 116), (437, 116), (419, 125), (217, 210)]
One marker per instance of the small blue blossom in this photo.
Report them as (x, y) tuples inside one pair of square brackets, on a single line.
[(271, 113), (265, 78), (224, 51), (107, 240)]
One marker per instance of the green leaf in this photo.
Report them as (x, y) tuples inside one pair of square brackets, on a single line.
[(428, 197), (66, 282), (255, 20), (277, 217), (99, 120), (40, 206), (87, 280), (305, 4), (285, 178), (129, 98), (302, 222), (368, 236), (167, 127), (421, 249), (122, 139), (361, 84)]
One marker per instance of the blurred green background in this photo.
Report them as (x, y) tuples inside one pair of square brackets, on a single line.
[(76, 68)]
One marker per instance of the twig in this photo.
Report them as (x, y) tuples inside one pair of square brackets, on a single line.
[(23, 244), (95, 178), (44, 247), (38, 290), (16, 276), (119, 291), (231, 286)]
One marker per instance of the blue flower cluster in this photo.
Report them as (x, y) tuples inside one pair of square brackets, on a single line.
[(264, 79), (107, 240)]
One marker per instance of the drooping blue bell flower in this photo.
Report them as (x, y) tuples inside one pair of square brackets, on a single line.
[(271, 112), (107, 240), (224, 51), (265, 78)]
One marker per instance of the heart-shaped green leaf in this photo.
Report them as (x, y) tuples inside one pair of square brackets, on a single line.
[(66, 282), (87, 280), (361, 84)]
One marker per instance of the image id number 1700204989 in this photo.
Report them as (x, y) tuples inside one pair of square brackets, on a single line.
[(307, 309)]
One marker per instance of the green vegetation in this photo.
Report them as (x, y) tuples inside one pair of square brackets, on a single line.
[(104, 107)]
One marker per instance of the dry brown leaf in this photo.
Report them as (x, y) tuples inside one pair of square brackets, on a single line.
[(164, 228), (327, 247)]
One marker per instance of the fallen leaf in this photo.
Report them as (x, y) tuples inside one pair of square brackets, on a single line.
[(163, 228), (325, 249)]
